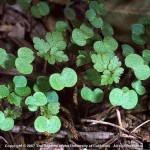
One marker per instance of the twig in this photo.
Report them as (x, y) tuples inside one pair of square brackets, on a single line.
[(140, 126), (106, 123), (119, 117), (97, 135), (3, 139), (62, 134)]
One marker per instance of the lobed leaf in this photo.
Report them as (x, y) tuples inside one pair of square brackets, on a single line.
[(95, 96)]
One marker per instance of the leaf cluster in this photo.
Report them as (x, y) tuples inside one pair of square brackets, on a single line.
[(6, 123), (52, 49), (95, 96), (24, 60), (40, 9), (7, 61), (124, 97), (82, 34), (67, 78), (136, 62)]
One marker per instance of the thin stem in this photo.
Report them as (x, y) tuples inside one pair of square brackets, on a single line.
[(45, 67), (140, 126), (106, 123)]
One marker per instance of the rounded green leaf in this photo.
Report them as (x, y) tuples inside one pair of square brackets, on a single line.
[(101, 9), (134, 60), (146, 56), (138, 29), (10, 63), (40, 98), (20, 81), (61, 26), (7, 124), (86, 31), (127, 50), (69, 13), (95, 96), (90, 14), (97, 22), (42, 84), (109, 44), (93, 76), (116, 96), (32, 108), (52, 96), (86, 93), (142, 72), (39, 10), (35, 12), (107, 29), (125, 89), (56, 82), (26, 54), (40, 124), (98, 95), (30, 101), (4, 91), (94, 5), (130, 100), (22, 91), (53, 124), (139, 39), (69, 77), (43, 8), (2, 117), (23, 66), (78, 38), (137, 85), (3, 57)]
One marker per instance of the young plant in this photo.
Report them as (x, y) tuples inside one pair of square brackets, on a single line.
[(53, 49), (136, 62), (40, 9), (67, 78), (95, 96), (22, 63), (124, 97)]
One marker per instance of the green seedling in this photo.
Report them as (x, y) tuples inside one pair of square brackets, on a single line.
[(67, 78), (95, 96)]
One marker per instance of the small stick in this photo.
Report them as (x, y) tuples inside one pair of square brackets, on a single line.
[(3, 139), (104, 122), (62, 134), (119, 117), (140, 126)]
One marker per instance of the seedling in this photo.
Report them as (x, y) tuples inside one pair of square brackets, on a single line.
[(67, 78), (126, 98), (95, 96), (39, 10), (23, 64), (80, 36), (136, 62), (52, 49), (69, 13)]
